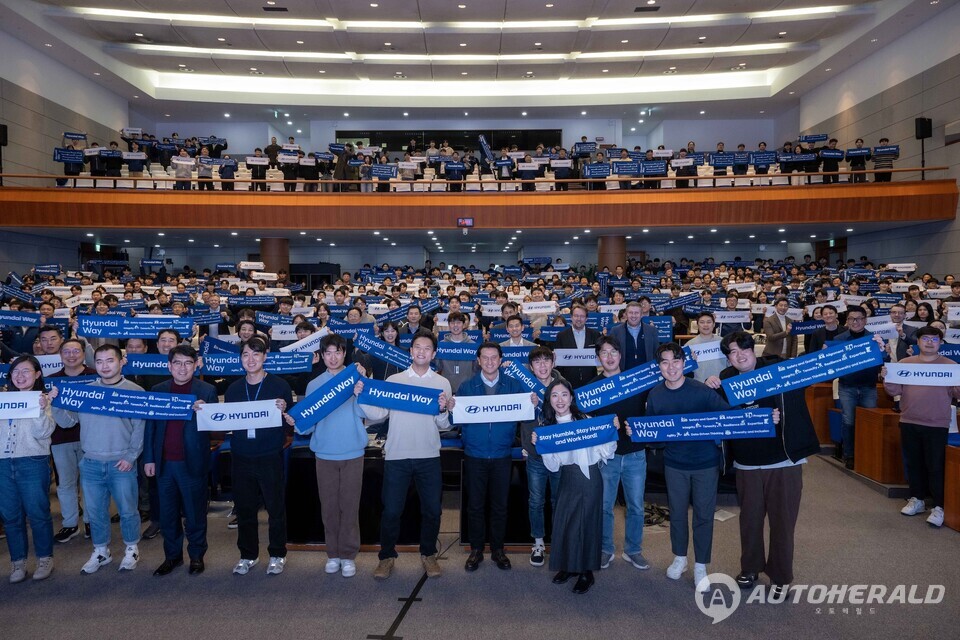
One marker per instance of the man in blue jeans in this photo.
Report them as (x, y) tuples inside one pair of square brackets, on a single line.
[(858, 389), (111, 446), (541, 361), (628, 467)]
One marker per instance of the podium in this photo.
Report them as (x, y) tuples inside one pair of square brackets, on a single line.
[(878, 454), (819, 399)]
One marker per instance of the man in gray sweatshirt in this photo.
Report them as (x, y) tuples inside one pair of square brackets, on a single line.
[(111, 446)]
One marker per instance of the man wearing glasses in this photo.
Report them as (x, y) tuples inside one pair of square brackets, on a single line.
[(857, 389), (925, 413)]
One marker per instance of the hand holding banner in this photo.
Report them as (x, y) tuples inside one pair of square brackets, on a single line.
[(238, 416), (325, 399), (124, 403), (20, 404), (927, 375)]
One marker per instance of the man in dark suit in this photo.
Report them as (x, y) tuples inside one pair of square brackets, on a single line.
[(638, 339), (227, 320), (578, 336), (178, 454)]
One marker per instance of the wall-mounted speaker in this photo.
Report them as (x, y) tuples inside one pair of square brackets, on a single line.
[(924, 128)]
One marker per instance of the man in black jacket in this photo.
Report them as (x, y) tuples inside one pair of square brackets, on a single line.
[(178, 455), (769, 472), (578, 336)]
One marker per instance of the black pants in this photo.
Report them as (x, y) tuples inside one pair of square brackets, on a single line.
[(259, 185), (859, 175), (563, 186), (882, 176), (487, 480), (255, 479), (289, 186), (925, 451), (397, 476), (226, 186), (205, 183), (456, 186), (772, 495)]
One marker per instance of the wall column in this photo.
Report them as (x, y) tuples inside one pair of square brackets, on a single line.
[(611, 251), (275, 254)]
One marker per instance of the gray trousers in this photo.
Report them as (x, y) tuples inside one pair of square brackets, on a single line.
[(339, 483), (698, 488)]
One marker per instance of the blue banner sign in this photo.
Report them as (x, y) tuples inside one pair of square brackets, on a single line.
[(549, 334), (148, 364), (251, 301), (578, 434), (805, 328), (384, 171), (325, 399), (831, 154), (763, 158), (74, 156), (625, 385), (147, 327), (124, 403), (400, 397), (716, 425), (382, 350), (276, 362), (460, 351), (813, 137), (841, 359), (664, 325), (19, 319), (596, 170), (524, 376), (210, 345), (858, 153)]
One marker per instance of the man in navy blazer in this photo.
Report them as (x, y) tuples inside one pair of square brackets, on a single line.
[(638, 339), (179, 456), (578, 336), (487, 459)]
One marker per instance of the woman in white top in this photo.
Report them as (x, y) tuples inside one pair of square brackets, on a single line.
[(706, 325), (578, 518), (25, 476)]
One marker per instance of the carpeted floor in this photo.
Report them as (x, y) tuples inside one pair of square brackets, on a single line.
[(847, 534)]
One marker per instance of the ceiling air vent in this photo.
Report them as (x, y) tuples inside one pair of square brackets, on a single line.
[(281, 9), (646, 9)]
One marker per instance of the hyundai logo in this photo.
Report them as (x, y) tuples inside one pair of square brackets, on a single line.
[(218, 417), (473, 409)]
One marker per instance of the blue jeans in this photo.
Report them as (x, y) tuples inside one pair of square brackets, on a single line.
[(101, 481), (850, 398), (66, 457), (537, 477), (25, 496), (631, 470), (425, 473)]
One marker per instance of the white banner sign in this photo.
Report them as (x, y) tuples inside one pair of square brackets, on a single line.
[(952, 336), (283, 332), (853, 301), (527, 166), (511, 407), (492, 310), (561, 163), (927, 375), (243, 266), (839, 306), (183, 160), (239, 416), (743, 287), (547, 306), (939, 293), (904, 267), (263, 275), (49, 365), (886, 330), (706, 351), (612, 308), (795, 315), (576, 358), (25, 404), (310, 343), (728, 317), (261, 160), (953, 314)]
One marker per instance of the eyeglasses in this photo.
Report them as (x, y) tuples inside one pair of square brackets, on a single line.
[(930, 339), (70, 352), (609, 352)]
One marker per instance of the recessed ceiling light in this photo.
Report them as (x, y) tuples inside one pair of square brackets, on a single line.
[(537, 44), (385, 239), (257, 239), (628, 237), (702, 112), (374, 5), (89, 235), (226, 115), (828, 69), (376, 233), (346, 115), (792, 92), (513, 237), (233, 233), (752, 236), (633, 128), (605, 71), (405, 114), (139, 35), (643, 113), (181, 65), (813, 235), (689, 237), (321, 71), (47, 44), (783, 242), (299, 41), (299, 130), (430, 233), (781, 230), (466, 113), (576, 237), (136, 96), (523, 113), (624, 41), (289, 123), (583, 113), (253, 68), (782, 33), (221, 39), (670, 242), (762, 111), (518, 231), (461, 6), (393, 244), (216, 246), (286, 115), (156, 246), (96, 73), (190, 240), (126, 241), (463, 44), (333, 244), (743, 64), (271, 2), (673, 68), (161, 234), (303, 233), (566, 242), (849, 230), (463, 73), (549, 5), (713, 230), (702, 38), (873, 40), (387, 44), (726, 242), (640, 121), (586, 230)]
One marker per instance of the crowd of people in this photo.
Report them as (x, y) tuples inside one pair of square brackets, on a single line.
[(513, 321), (351, 166)]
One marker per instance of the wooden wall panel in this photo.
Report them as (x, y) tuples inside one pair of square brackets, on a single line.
[(896, 201)]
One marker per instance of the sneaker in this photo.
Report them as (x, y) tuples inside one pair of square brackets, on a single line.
[(537, 554), (152, 531), (86, 530), (44, 568), (243, 567), (332, 566), (130, 558), (431, 566), (276, 565), (914, 506), (700, 578), (233, 524), (636, 560), (18, 571), (936, 517), (605, 559), (66, 534), (100, 557), (384, 567), (348, 568), (677, 567)]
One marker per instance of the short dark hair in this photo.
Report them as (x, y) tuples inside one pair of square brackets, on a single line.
[(856, 309), (47, 328), (305, 326), (742, 339), (670, 347), (423, 333), (607, 340), (333, 340), (456, 316), (256, 344), (541, 353), (109, 347), (489, 344), (708, 314), (182, 350), (173, 331), (922, 331), (514, 317)]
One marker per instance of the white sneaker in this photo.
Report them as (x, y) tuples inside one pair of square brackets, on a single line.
[(333, 565), (100, 557), (914, 506), (936, 517), (349, 568), (275, 566), (130, 558), (44, 568), (677, 567), (700, 578), (243, 567), (18, 571)]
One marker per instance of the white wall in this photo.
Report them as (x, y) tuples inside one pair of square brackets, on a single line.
[(20, 252), (786, 126), (23, 65), (243, 137), (707, 133)]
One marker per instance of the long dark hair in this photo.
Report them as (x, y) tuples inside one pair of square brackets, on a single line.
[(549, 414), (396, 327), (38, 383)]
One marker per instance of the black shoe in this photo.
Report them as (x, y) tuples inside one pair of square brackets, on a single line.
[(66, 534), (168, 566), (848, 463), (584, 582), (115, 518), (503, 562), (746, 580), (562, 577), (196, 566), (86, 530), (473, 562), (144, 516), (152, 531)]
